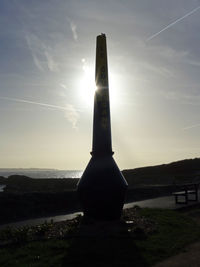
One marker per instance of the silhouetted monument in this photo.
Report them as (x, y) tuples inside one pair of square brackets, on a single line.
[(102, 186)]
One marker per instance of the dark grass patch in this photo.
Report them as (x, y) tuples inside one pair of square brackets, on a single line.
[(150, 236), (38, 253), (175, 231)]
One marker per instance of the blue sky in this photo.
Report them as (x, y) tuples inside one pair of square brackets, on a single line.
[(47, 50)]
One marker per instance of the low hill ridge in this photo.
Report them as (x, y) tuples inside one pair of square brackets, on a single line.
[(186, 170)]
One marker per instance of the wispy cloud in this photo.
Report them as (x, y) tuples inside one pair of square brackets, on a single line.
[(71, 113), (52, 65), (191, 126), (63, 85), (73, 29), (37, 62), (161, 70), (41, 53), (173, 23), (194, 63)]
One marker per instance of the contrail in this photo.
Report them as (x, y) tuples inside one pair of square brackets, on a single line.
[(35, 103), (173, 23), (192, 126)]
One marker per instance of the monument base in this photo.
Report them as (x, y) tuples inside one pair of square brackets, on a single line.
[(102, 189)]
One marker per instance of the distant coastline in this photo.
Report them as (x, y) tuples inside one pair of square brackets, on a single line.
[(41, 173), (188, 167)]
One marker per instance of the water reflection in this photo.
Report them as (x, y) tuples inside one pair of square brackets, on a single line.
[(2, 186)]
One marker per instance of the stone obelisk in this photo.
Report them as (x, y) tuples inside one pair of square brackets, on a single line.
[(102, 186)]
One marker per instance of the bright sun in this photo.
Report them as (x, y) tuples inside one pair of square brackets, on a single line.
[(87, 86)]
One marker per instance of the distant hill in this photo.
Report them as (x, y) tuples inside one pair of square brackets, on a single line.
[(182, 171), (186, 170)]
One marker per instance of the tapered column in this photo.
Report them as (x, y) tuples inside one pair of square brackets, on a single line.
[(102, 187), (102, 144)]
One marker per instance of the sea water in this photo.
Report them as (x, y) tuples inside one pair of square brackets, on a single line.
[(2, 187), (39, 173)]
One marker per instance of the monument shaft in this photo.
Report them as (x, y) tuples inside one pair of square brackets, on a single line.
[(102, 186), (101, 122)]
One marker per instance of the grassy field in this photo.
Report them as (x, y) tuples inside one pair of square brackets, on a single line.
[(175, 231), (151, 236)]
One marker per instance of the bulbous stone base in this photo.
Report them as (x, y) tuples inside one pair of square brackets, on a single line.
[(102, 189)]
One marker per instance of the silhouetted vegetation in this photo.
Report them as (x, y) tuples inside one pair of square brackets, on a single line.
[(16, 206), (19, 206), (25, 198), (24, 184), (150, 236)]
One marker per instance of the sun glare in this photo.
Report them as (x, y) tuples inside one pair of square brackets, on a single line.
[(87, 86)]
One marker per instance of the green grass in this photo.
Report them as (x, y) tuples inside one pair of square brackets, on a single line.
[(173, 231), (38, 253)]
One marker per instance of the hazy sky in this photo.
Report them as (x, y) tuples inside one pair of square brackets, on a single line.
[(47, 55)]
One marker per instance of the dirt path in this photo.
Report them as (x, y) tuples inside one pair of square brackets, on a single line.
[(190, 257)]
